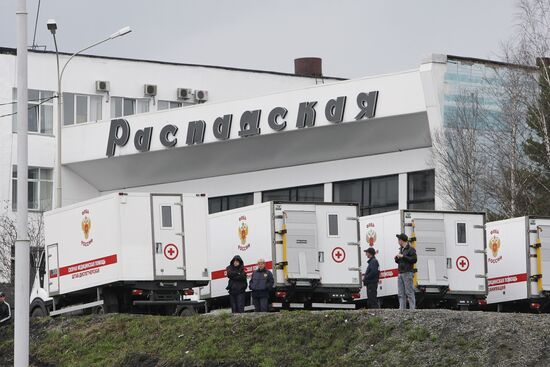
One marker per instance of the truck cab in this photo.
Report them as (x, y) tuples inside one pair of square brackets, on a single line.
[(40, 300)]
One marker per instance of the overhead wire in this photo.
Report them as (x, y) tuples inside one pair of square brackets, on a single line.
[(30, 100), (34, 106)]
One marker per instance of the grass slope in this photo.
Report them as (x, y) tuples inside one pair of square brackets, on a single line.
[(337, 338)]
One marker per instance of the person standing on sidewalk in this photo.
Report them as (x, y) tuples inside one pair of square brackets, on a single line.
[(261, 284), (371, 277), (405, 259)]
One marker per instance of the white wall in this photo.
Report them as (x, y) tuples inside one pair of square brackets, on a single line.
[(7, 151), (126, 79), (399, 94)]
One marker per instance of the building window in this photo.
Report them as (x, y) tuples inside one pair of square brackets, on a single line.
[(314, 193), (421, 193), (374, 195), (224, 203), (128, 106), (79, 108), (168, 105), (40, 111), (40, 188)]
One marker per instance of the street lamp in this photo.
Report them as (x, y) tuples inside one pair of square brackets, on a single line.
[(52, 27)]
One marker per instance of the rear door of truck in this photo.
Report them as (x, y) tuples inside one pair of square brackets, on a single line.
[(301, 247), (543, 235), (195, 223), (466, 253), (52, 258), (431, 242), (167, 214), (339, 250)]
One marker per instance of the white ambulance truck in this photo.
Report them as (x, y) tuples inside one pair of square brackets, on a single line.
[(123, 252), (312, 249), (518, 259), (451, 268)]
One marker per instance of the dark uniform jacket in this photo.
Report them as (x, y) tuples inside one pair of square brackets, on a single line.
[(405, 264), (261, 283), (373, 271), (237, 277)]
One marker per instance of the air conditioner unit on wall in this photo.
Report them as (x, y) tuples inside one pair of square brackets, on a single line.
[(102, 86), (150, 90), (201, 96), (184, 93)]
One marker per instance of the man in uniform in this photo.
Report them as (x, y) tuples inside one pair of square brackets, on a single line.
[(371, 277)]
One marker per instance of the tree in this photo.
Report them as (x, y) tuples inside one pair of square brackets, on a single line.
[(530, 48), (537, 147), (459, 157), (8, 236), (509, 178), (495, 156)]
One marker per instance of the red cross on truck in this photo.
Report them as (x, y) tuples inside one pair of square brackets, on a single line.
[(338, 254)]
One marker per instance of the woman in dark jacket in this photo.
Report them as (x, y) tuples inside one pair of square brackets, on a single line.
[(237, 284)]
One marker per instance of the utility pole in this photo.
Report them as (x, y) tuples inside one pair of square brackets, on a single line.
[(22, 249)]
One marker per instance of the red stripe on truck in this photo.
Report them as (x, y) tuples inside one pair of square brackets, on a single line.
[(507, 279), (390, 273), (86, 265), (219, 274)]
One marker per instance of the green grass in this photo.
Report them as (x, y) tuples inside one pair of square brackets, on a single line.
[(335, 338)]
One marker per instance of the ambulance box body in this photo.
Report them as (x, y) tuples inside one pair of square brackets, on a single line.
[(310, 248), (518, 259), (450, 247), (127, 238)]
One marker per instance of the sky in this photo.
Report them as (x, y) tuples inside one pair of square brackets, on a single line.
[(353, 37)]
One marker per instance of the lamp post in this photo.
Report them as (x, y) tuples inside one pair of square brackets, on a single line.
[(52, 27), (22, 249)]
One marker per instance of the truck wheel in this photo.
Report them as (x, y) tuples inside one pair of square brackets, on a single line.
[(98, 310), (38, 309), (188, 311), (110, 299), (38, 312)]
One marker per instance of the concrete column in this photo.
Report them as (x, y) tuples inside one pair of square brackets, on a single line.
[(257, 197), (403, 188), (328, 192)]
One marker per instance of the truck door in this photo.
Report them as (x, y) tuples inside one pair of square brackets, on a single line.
[(301, 244), (544, 237), (168, 236), (430, 249), (53, 269)]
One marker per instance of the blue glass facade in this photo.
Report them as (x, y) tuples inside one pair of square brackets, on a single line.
[(465, 77)]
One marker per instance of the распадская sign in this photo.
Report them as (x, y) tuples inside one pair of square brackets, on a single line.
[(119, 132)]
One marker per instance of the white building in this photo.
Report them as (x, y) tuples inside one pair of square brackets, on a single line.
[(84, 103), (260, 135)]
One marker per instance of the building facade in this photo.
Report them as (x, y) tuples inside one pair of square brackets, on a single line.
[(100, 88), (259, 136)]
